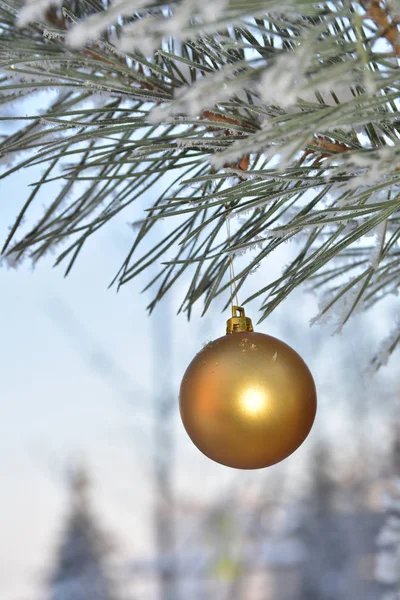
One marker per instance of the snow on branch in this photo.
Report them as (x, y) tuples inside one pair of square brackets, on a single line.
[(280, 83), (368, 166), (206, 92), (183, 20), (151, 26), (93, 26), (286, 92), (34, 10)]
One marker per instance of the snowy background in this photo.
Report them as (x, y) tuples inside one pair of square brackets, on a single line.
[(82, 372)]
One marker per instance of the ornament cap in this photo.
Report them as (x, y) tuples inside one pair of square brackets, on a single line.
[(238, 322)]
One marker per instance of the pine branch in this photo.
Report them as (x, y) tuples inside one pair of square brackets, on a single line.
[(284, 119)]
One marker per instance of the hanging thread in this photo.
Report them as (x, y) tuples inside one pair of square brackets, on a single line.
[(231, 268)]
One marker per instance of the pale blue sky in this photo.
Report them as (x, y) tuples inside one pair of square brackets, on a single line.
[(55, 407)]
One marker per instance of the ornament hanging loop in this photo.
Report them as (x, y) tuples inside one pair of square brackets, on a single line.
[(238, 322), (231, 269)]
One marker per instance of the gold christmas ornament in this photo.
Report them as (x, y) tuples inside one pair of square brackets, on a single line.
[(247, 400)]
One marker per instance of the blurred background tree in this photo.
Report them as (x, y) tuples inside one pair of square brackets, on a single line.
[(80, 571)]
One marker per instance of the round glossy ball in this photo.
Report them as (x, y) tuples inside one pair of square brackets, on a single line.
[(247, 400)]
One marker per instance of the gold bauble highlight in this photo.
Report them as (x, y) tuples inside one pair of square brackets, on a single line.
[(247, 400)]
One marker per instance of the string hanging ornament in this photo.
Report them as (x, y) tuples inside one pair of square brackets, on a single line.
[(247, 400)]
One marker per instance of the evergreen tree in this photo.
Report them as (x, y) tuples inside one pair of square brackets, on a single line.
[(388, 559), (283, 116), (80, 572), (323, 537)]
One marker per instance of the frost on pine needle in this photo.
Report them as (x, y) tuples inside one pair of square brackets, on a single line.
[(206, 143), (6, 6), (285, 228), (278, 234), (261, 142), (254, 269), (12, 260), (386, 348), (244, 174), (52, 125), (369, 167), (256, 243), (53, 35), (336, 305), (206, 92)]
